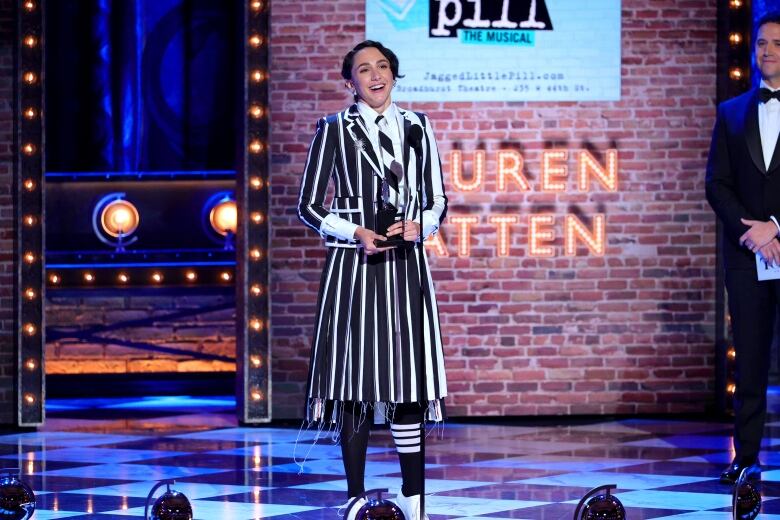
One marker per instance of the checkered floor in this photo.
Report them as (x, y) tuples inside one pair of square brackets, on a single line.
[(93, 462)]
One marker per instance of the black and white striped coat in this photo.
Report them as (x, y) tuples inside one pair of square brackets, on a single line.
[(371, 330)]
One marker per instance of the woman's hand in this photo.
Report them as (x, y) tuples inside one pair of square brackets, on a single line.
[(409, 229), (368, 238)]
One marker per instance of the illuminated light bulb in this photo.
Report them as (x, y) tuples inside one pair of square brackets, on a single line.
[(89, 277), (256, 324), (256, 290), (255, 254), (225, 276), (29, 220), (30, 329), (255, 40), (191, 276), (30, 293), (30, 78), (257, 395), (735, 38), (157, 277), (256, 111), (29, 257), (735, 73), (732, 354), (123, 278), (256, 361), (551, 171), (119, 218), (30, 41), (258, 76), (256, 182), (29, 398), (731, 388), (576, 230), (29, 184), (30, 113), (256, 5), (464, 233), (257, 217), (503, 222), (29, 6), (28, 149), (256, 146), (54, 279), (224, 217), (31, 364), (735, 4)]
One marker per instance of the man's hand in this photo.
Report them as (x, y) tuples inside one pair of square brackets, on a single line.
[(368, 238), (771, 252), (409, 228), (759, 234)]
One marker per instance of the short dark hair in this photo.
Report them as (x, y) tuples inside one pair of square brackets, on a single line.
[(768, 17), (346, 65)]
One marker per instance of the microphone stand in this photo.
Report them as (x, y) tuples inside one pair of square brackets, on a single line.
[(421, 256)]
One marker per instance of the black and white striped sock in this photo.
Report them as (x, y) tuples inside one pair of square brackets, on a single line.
[(407, 444)]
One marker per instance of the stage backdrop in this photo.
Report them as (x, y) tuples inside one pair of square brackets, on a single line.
[(575, 270)]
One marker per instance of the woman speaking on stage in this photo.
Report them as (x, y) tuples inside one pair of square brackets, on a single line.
[(376, 350)]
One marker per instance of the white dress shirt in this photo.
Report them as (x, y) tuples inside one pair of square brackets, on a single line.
[(768, 125)]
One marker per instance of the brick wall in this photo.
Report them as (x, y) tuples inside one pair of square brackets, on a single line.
[(628, 332), (7, 265)]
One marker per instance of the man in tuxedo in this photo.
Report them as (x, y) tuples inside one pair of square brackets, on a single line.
[(743, 187)]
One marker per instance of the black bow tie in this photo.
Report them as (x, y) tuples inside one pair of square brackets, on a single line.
[(764, 94)]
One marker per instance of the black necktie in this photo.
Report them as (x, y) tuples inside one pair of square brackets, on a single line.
[(764, 94), (388, 155)]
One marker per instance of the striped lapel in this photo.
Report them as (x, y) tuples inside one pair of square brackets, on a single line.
[(359, 134)]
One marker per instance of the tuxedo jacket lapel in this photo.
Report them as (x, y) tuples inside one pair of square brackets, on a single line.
[(775, 163), (358, 132), (752, 134)]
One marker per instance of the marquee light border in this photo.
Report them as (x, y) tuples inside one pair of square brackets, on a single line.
[(253, 333), (29, 291)]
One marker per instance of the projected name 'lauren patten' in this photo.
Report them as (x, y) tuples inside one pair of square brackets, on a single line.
[(578, 236)]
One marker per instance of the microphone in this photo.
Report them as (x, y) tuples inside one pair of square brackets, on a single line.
[(415, 138)]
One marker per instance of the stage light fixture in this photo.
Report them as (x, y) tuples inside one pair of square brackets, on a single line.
[(735, 73), (114, 220), (29, 184), (731, 388), (256, 324), (256, 5), (29, 6), (226, 276), (29, 220), (30, 293), (224, 217), (29, 398), (732, 354), (29, 257), (191, 276), (157, 277), (256, 146), (123, 278), (54, 279), (258, 76), (256, 361), (256, 290), (30, 41), (256, 182), (257, 394), (89, 277), (255, 254), (257, 217), (30, 78), (28, 149), (30, 329), (31, 364), (30, 113)]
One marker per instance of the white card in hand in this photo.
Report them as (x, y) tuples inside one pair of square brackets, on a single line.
[(766, 271)]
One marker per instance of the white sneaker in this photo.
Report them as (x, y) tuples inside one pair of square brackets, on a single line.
[(350, 510), (410, 506)]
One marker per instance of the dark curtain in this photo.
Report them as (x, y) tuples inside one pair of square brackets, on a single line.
[(141, 85)]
